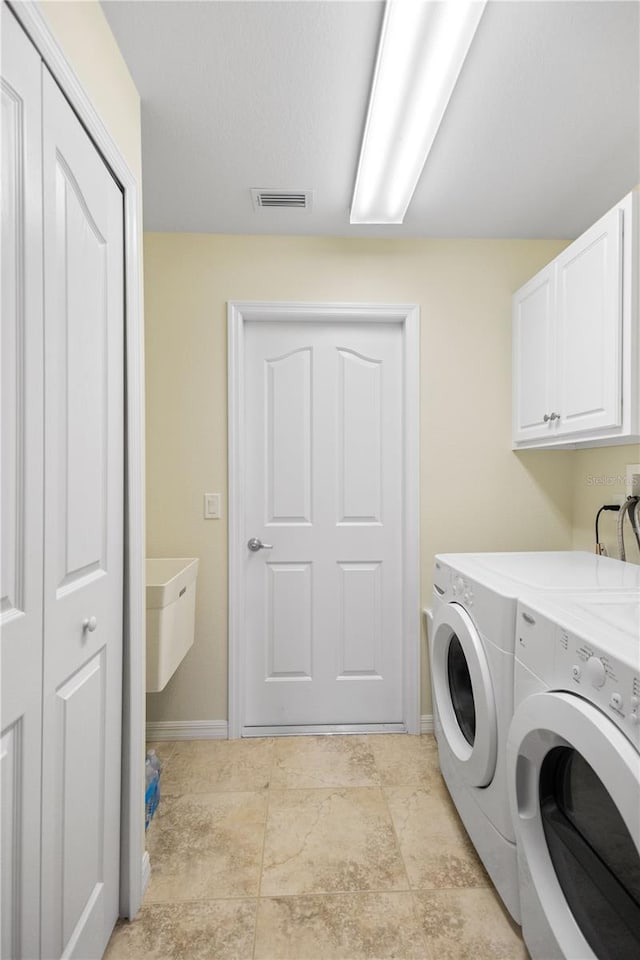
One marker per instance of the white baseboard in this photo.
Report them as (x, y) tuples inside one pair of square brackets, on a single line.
[(426, 723), (146, 873), (219, 729), (188, 730), (328, 729)]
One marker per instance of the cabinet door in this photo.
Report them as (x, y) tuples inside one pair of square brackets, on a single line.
[(21, 482), (83, 537), (533, 357), (589, 329)]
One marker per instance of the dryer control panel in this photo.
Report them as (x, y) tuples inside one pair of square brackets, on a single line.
[(599, 676), (606, 675)]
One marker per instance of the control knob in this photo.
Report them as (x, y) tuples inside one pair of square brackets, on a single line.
[(594, 669)]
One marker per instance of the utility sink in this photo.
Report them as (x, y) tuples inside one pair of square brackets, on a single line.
[(171, 610)]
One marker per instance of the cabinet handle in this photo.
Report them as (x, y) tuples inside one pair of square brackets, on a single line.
[(89, 624), (546, 418), (554, 416)]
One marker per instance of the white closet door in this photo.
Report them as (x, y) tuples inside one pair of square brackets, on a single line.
[(83, 273), (21, 482)]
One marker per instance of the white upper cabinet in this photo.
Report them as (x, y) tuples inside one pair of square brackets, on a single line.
[(533, 356), (589, 280), (575, 341)]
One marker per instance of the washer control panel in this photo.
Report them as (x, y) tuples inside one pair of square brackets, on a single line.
[(458, 585), (449, 585), (462, 590)]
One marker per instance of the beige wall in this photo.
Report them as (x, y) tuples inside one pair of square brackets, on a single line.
[(599, 474), (476, 493), (82, 31)]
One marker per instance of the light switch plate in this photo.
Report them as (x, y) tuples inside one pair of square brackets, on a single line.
[(212, 506)]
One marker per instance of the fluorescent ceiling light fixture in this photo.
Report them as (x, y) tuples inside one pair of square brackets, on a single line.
[(422, 48)]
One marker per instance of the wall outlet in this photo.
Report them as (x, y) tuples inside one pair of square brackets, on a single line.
[(212, 506), (632, 485)]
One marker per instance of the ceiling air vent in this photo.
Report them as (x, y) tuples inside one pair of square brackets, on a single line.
[(282, 199)]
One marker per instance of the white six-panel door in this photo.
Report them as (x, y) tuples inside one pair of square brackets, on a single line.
[(84, 417), (21, 477), (324, 481)]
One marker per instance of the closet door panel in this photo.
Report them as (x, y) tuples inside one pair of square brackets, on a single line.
[(80, 709), (21, 497), (81, 397), (84, 417)]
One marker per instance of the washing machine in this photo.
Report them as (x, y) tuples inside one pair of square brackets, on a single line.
[(471, 650), (573, 773)]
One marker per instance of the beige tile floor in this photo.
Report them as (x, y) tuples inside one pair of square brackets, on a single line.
[(312, 848)]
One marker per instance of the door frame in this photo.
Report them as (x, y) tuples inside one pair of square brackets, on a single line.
[(408, 316), (134, 862)]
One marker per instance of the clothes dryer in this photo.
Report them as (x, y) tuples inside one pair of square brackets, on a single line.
[(573, 774), (471, 650)]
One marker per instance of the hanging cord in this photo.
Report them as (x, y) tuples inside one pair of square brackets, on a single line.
[(630, 506), (634, 516), (600, 547)]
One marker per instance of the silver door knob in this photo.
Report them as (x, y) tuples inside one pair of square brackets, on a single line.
[(90, 624), (254, 545)]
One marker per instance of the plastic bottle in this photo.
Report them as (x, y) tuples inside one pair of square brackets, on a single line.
[(153, 769), (149, 772), (154, 760)]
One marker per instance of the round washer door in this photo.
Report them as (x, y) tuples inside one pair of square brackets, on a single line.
[(463, 694), (574, 784)]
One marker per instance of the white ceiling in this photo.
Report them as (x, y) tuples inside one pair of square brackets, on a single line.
[(542, 134)]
